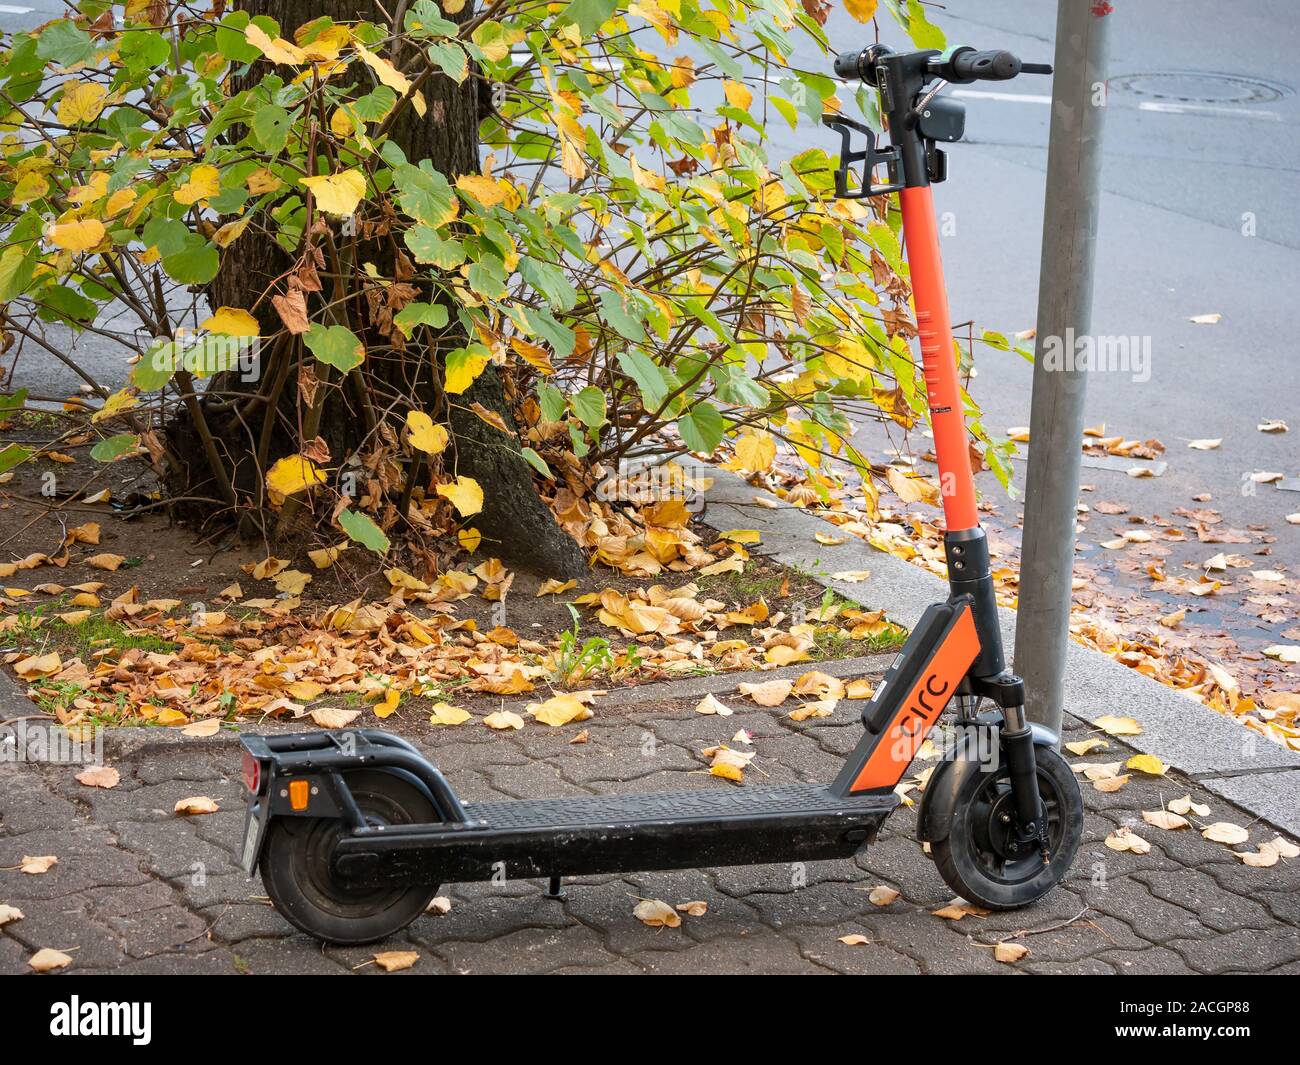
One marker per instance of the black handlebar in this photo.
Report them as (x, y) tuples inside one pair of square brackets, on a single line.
[(966, 64), (963, 65)]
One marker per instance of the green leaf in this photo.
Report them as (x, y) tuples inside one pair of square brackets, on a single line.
[(271, 127), (9, 404), (538, 463), (615, 312), (12, 454), (114, 447), (155, 367), (551, 400), (413, 314), (589, 406), (15, 272), (195, 265), (364, 531), (451, 58), (647, 375), (588, 14), (335, 345), (66, 45), (701, 428)]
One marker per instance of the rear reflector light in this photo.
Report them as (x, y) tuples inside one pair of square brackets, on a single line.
[(298, 790), (252, 773)]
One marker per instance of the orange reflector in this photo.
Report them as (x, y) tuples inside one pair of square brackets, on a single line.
[(298, 794)]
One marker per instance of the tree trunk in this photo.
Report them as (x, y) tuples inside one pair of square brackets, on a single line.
[(516, 524)]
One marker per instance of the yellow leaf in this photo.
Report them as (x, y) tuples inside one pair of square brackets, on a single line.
[(656, 914), (399, 578), (465, 495), (322, 558), (504, 719), (555, 587), (559, 710), (446, 714), (38, 665), (278, 50), (487, 191), (426, 434), (1118, 726), (388, 703), (1147, 763), (532, 354), (331, 717), (231, 322), (465, 372), (204, 181), (82, 102), (863, 11), (262, 181), (741, 536), (107, 561), (77, 236), (384, 70), (293, 474), (469, 539), (47, 959), (738, 95), (338, 193), (756, 451)]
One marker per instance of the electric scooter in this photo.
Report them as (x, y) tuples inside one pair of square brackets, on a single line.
[(355, 831)]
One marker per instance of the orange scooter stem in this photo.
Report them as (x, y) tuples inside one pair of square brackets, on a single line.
[(921, 237)]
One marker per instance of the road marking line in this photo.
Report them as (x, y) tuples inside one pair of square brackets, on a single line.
[(1005, 97), (1208, 109)]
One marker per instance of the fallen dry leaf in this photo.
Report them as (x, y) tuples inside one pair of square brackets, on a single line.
[(100, 776), (959, 908), (1009, 953), (47, 960), (767, 693), (882, 895), (1185, 805), (656, 913), (1165, 819), (504, 719), (855, 939), (333, 717), (439, 906), (106, 561), (36, 866), (1226, 832), (1147, 763), (693, 909), (9, 913), (392, 961), (208, 727), (710, 705), (1118, 726), (1125, 839), (196, 804)]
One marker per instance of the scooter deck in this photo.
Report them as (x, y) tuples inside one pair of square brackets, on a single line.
[(697, 828)]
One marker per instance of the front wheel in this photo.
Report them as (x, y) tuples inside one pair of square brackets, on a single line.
[(302, 884), (977, 858)]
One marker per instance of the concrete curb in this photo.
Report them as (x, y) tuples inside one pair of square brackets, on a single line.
[(1231, 761)]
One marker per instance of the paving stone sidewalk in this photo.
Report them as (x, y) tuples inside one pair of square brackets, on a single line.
[(139, 889)]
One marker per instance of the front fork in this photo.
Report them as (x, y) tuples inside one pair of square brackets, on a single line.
[(969, 573)]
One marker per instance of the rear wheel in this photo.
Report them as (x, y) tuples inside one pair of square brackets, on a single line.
[(305, 889), (982, 861)]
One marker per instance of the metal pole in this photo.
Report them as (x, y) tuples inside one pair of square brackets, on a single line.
[(1064, 313)]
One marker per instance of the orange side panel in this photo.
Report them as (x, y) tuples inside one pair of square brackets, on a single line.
[(903, 736), (921, 235)]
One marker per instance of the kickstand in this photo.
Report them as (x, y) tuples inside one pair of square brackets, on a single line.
[(554, 888)]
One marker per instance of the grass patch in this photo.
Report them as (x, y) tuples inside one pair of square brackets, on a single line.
[(40, 632), (742, 587)]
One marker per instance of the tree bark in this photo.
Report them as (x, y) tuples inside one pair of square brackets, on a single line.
[(516, 524)]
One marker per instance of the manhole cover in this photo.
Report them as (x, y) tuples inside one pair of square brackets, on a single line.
[(1200, 88)]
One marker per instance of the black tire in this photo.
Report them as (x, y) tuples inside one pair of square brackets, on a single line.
[(310, 896), (973, 857)]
